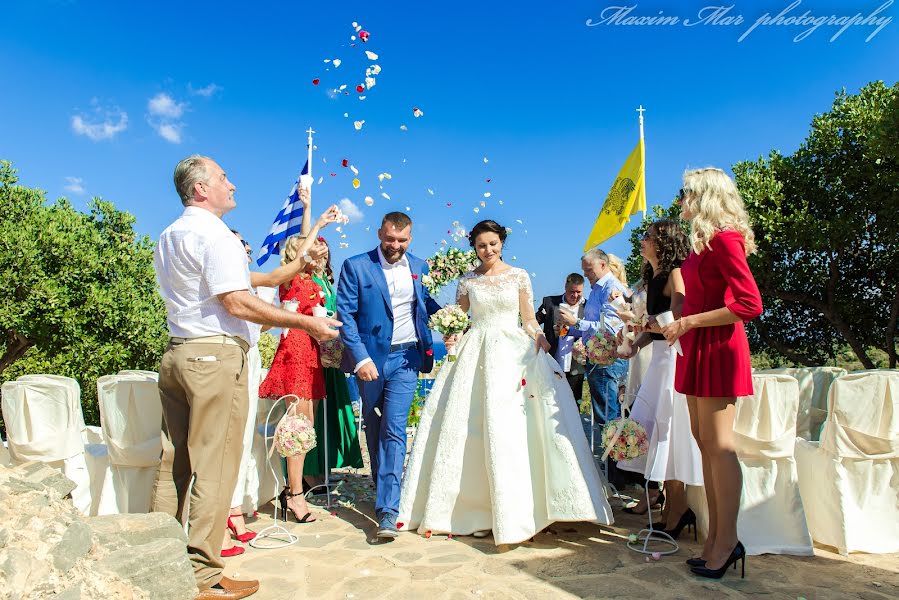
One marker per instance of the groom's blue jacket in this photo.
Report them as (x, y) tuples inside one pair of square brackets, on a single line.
[(363, 305)]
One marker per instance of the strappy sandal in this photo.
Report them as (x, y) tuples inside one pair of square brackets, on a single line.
[(282, 502)]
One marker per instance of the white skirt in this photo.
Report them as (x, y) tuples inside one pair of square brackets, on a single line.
[(673, 454)]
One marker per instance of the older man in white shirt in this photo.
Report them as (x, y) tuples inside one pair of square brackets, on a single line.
[(213, 319)]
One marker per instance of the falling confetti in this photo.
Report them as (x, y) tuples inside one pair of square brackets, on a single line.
[(364, 35), (485, 160), (320, 179), (354, 170), (360, 88), (417, 112), (371, 55), (385, 195), (483, 204), (369, 82), (341, 88), (383, 176), (344, 245), (345, 162), (403, 128), (356, 184), (487, 194), (430, 191), (316, 81), (336, 62), (476, 209), (369, 201), (500, 202), (408, 208), (358, 124)]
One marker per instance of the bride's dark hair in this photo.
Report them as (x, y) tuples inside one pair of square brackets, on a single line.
[(488, 226)]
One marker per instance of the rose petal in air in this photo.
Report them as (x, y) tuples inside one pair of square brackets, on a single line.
[(417, 112), (360, 88), (364, 35), (356, 184), (371, 55), (336, 62), (316, 81), (345, 162), (369, 201)]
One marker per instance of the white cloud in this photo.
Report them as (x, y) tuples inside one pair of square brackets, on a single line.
[(74, 185), (210, 90), (163, 105), (109, 124), (351, 210), (170, 132)]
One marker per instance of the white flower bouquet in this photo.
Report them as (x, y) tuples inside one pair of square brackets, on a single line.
[(600, 348), (624, 439), (578, 352), (448, 266), (449, 320)]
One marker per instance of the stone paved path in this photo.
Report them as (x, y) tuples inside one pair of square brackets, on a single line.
[(338, 557)]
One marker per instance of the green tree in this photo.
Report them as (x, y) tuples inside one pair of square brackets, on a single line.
[(79, 296), (826, 219)]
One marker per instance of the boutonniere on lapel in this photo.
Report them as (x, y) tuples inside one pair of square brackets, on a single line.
[(414, 276)]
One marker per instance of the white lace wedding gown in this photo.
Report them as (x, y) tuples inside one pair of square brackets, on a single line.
[(500, 444)]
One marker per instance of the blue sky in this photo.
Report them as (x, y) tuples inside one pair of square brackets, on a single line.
[(103, 99)]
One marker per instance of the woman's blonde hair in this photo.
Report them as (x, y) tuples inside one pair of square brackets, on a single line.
[(290, 248), (714, 202), (616, 266)]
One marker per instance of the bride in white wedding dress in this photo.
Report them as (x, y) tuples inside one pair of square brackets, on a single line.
[(500, 445)]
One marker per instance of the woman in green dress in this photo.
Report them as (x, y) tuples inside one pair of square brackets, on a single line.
[(343, 439)]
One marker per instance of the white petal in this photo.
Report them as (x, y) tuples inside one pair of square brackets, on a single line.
[(336, 62), (476, 209), (341, 88), (485, 160), (483, 204), (403, 128), (486, 194), (385, 195), (371, 55), (430, 191), (369, 201), (354, 170), (358, 124)]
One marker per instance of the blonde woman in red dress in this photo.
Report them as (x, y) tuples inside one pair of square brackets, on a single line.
[(720, 295), (296, 369)]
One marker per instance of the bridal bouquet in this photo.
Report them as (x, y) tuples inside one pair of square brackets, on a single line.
[(578, 352), (600, 348), (624, 439), (295, 434), (448, 266), (449, 320)]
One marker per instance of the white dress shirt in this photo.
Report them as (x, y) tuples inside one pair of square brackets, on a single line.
[(402, 301), (566, 343), (196, 259)]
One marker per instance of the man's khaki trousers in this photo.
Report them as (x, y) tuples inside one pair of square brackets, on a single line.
[(203, 387)]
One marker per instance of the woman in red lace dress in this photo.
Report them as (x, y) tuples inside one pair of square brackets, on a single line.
[(720, 295), (296, 369)]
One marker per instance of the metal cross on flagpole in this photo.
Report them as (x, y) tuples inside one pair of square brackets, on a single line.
[(641, 110)]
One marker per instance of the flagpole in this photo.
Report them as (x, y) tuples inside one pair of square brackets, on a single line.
[(640, 111), (309, 155)]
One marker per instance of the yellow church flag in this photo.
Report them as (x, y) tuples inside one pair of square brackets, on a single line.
[(627, 197)]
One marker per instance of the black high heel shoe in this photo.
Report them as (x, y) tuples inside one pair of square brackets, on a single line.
[(282, 503), (687, 520), (738, 554), (659, 501), (696, 562)]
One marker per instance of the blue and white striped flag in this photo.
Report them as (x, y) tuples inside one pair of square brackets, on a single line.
[(289, 221)]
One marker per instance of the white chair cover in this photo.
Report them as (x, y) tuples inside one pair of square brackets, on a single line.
[(771, 518), (131, 418), (69, 383), (96, 455), (151, 374), (41, 421), (44, 424), (850, 479), (814, 382)]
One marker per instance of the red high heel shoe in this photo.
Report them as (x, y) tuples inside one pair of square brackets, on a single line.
[(241, 537), (232, 551)]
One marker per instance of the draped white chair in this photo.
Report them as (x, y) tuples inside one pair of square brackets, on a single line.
[(70, 383), (771, 518), (850, 479), (820, 379), (44, 424), (131, 419), (151, 374), (96, 454)]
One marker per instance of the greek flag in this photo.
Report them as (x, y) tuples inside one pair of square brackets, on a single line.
[(289, 221)]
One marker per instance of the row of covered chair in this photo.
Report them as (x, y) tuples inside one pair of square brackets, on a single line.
[(842, 491)]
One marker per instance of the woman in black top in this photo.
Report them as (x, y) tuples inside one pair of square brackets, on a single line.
[(673, 455)]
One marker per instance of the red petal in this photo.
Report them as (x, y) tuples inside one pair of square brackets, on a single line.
[(345, 162), (333, 174), (316, 81), (399, 525), (363, 35), (524, 382), (414, 276), (449, 203), (429, 353), (360, 88)]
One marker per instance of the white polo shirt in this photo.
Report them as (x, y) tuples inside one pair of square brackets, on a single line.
[(196, 259)]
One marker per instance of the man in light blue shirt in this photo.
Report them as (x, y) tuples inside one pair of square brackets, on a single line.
[(599, 314)]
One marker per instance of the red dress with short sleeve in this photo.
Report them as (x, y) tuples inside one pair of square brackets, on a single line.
[(716, 359), (296, 368)]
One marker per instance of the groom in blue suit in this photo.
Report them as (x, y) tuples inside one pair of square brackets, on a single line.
[(385, 308)]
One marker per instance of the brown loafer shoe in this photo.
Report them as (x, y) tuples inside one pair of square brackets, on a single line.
[(230, 589)]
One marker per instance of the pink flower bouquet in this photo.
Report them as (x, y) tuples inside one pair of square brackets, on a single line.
[(330, 352), (294, 435), (624, 439), (600, 348)]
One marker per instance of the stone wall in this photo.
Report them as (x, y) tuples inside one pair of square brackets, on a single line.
[(49, 550)]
